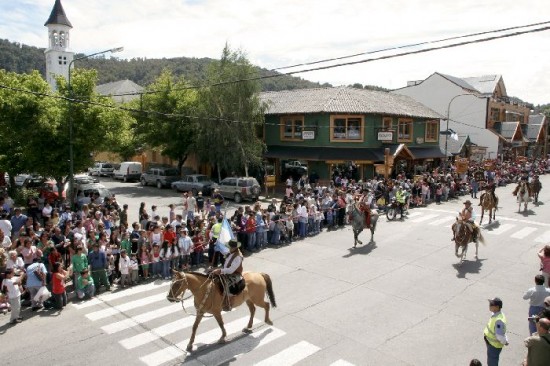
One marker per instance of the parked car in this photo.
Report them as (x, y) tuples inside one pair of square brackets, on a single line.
[(99, 191), (20, 179), (101, 169), (195, 183), (50, 192), (239, 188), (294, 164), (160, 177), (33, 182), (128, 171), (85, 179)]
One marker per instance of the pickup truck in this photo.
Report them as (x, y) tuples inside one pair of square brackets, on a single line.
[(195, 183), (295, 164)]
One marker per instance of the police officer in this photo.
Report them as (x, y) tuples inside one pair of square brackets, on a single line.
[(495, 332)]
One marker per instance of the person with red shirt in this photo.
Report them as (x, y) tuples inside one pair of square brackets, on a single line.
[(58, 285), (170, 234), (250, 230)]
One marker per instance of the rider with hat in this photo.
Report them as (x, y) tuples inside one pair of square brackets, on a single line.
[(233, 282), (466, 215)]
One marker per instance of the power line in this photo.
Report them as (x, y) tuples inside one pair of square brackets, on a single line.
[(349, 63), (409, 45)]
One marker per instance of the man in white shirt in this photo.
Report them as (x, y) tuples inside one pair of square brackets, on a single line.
[(5, 241), (233, 267), (191, 206), (5, 224)]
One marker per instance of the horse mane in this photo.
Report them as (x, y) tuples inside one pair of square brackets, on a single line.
[(199, 274)]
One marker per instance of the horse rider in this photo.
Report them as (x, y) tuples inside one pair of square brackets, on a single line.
[(232, 271), (489, 189), (523, 181), (466, 215)]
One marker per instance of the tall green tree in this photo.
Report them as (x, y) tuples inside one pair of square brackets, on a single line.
[(167, 121), (231, 115), (36, 126)]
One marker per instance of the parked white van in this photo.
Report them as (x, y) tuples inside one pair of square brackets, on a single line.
[(128, 171)]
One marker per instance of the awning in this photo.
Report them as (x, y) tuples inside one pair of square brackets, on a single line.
[(320, 153), (433, 152), (351, 153)]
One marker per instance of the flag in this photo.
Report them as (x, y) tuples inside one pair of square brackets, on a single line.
[(226, 233)]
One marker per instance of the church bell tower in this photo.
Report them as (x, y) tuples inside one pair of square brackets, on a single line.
[(58, 54)]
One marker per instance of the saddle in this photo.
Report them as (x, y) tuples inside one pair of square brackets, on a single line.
[(234, 283)]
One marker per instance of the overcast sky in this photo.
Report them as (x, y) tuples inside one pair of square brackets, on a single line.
[(279, 33)]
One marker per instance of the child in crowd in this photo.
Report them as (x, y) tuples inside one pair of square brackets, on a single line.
[(185, 245), (134, 270), (145, 258)]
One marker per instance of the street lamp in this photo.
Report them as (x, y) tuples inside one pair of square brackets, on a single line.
[(71, 152), (448, 117)]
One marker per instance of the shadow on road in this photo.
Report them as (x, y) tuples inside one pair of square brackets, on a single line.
[(468, 267), (361, 249)]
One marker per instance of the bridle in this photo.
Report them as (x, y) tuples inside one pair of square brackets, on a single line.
[(179, 298)]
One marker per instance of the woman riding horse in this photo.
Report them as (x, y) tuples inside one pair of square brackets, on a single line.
[(360, 217)]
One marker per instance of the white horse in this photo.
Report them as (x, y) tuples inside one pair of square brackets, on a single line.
[(523, 194)]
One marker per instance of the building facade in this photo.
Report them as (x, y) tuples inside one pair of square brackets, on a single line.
[(342, 129)]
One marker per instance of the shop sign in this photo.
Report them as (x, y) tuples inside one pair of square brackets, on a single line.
[(385, 136), (308, 135)]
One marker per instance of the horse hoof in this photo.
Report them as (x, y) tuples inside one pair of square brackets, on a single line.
[(189, 348), (247, 330), (221, 340), (360, 242), (269, 322)]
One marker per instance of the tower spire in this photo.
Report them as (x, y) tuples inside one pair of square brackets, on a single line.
[(58, 16)]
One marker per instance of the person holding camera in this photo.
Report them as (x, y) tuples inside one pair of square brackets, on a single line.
[(536, 296), (11, 287)]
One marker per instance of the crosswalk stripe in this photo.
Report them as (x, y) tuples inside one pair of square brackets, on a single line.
[(442, 221), (425, 218), (523, 232), (169, 353), (120, 294), (237, 347), (141, 318), (105, 313), (341, 363), (544, 238), (501, 229), (291, 355), (156, 333)]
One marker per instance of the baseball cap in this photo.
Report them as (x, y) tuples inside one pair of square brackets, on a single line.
[(495, 302)]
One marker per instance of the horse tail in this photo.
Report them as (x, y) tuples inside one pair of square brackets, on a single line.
[(481, 239), (269, 289)]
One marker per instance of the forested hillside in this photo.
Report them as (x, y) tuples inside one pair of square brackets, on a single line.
[(23, 59)]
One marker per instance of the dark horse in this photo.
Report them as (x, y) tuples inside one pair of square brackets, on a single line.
[(359, 218), (536, 186), (208, 298)]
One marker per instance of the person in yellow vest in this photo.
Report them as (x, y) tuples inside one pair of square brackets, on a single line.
[(233, 269), (495, 332)]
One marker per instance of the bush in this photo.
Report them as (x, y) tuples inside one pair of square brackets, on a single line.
[(22, 195)]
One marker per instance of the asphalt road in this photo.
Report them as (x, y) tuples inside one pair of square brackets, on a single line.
[(401, 300)]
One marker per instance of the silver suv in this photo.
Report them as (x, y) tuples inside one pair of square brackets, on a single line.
[(101, 168), (160, 177), (239, 188)]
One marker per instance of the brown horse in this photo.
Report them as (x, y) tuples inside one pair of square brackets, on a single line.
[(208, 299), (490, 204), (463, 236)]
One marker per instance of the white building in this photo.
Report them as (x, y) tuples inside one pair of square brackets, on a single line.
[(58, 53), (477, 107)]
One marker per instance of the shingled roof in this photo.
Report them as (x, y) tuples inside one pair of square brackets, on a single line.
[(344, 100), (58, 16), (120, 87)]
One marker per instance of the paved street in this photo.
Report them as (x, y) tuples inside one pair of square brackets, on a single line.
[(401, 300)]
